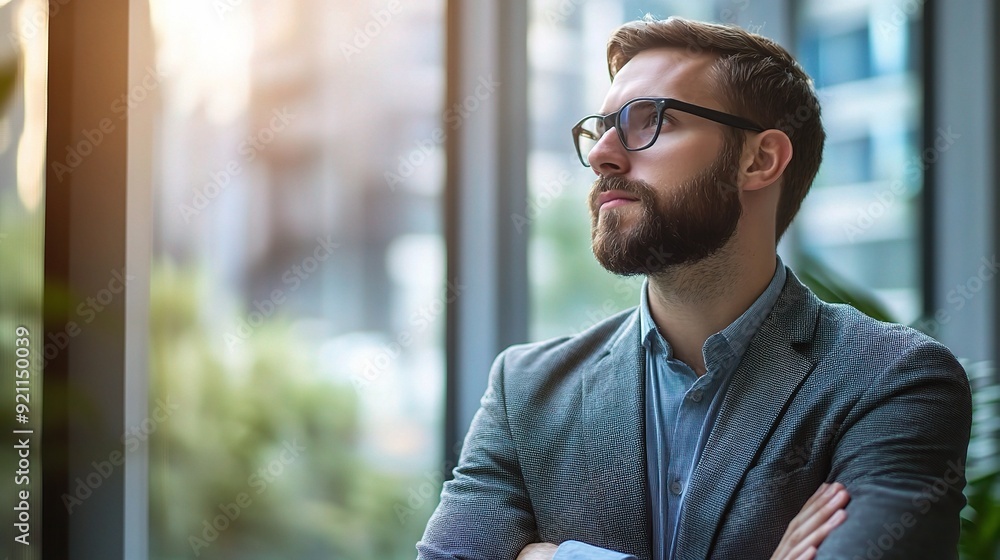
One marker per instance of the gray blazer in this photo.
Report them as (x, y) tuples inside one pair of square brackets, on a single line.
[(823, 393)]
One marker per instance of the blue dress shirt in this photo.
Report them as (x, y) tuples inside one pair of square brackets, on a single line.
[(680, 411)]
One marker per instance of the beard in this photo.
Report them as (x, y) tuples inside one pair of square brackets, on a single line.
[(685, 226)]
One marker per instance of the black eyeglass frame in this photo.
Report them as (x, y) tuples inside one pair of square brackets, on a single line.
[(612, 120)]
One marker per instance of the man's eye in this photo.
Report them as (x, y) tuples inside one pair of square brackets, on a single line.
[(667, 121)]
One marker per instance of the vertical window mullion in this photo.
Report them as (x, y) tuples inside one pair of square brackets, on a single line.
[(486, 150)]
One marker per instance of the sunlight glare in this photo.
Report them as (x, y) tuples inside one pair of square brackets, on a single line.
[(205, 48)]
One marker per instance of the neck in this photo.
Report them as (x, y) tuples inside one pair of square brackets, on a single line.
[(691, 302)]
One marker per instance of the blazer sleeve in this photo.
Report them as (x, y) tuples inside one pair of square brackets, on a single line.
[(901, 456), (485, 512)]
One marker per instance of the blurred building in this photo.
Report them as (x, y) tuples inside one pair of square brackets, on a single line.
[(273, 153)]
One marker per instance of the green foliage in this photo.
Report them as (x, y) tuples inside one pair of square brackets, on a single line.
[(240, 413), (831, 288), (981, 518), (570, 290), (8, 79)]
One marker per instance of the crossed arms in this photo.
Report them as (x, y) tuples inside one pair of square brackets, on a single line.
[(899, 450)]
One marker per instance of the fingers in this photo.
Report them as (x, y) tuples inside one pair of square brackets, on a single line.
[(820, 515), (538, 551), (818, 519), (819, 499), (807, 554)]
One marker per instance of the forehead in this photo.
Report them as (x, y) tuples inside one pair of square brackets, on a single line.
[(663, 72)]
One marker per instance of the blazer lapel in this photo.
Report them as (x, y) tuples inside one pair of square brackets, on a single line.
[(768, 376), (614, 432)]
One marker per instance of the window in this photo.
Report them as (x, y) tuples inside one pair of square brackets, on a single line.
[(861, 219), (296, 307)]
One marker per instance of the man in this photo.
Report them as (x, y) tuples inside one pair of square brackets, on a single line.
[(699, 424)]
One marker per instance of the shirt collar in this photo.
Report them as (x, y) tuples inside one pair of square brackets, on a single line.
[(727, 346)]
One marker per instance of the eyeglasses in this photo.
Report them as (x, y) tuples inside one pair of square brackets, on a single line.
[(638, 123)]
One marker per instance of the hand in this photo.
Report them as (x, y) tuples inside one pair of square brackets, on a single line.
[(821, 514), (538, 551)]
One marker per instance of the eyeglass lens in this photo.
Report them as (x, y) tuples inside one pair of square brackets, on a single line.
[(639, 122)]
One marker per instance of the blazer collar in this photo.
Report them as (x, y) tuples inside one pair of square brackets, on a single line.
[(614, 427), (613, 405), (768, 376)]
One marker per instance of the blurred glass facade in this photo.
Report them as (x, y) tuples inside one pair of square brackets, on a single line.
[(862, 216), (860, 220), (297, 290)]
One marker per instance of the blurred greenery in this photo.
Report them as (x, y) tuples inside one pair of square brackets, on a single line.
[(236, 412), (570, 291), (20, 305), (832, 288), (981, 518), (8, 79)]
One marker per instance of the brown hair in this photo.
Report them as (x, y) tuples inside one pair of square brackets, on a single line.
[(755, 78)]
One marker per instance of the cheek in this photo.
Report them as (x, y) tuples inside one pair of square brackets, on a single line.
[(674, 159)]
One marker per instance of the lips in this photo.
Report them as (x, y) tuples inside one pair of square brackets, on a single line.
[(614, 198)]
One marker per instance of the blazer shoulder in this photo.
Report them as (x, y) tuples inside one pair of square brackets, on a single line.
[(844, 333), (563, 354)]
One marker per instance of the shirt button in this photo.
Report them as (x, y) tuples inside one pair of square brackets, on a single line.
[(675, 487), (696, 395)]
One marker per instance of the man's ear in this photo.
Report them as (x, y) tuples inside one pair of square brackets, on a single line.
[(765, 157)]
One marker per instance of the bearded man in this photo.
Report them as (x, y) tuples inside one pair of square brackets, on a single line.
[(731, 414)]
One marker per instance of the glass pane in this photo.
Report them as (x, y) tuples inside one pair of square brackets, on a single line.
[(861, 219), (23, 75), (297, 288), (639, 123), (568, 80)]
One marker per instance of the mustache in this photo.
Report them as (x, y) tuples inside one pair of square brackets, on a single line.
[(635, 187), (640, 189)]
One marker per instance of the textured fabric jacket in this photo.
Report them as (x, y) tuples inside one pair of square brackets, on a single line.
[(823, 393)]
